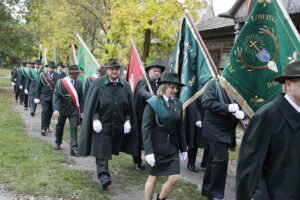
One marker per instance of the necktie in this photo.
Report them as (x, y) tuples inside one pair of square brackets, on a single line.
[(171, 106), (72, 82)]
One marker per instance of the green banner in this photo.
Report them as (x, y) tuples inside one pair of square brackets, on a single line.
[(191, 64), (266, 44), (86, 62)]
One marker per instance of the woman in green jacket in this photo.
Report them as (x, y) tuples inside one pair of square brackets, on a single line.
[(163, 136)]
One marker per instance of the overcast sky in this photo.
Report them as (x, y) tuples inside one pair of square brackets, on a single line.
[(221, 6)]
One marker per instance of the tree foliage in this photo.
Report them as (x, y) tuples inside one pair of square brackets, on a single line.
[(106, 26)]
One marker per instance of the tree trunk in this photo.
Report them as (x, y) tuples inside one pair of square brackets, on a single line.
[(147, 43)]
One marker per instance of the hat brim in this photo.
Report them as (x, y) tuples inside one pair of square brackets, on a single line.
[(281, 79), (180, 84), (162, 68), (51, 66), (112, 66)]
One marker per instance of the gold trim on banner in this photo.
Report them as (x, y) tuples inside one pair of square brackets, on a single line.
[(235, 94)]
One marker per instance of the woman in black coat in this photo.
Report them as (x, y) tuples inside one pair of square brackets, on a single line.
[(163, 136)]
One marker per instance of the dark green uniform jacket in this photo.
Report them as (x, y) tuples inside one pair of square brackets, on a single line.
[(112, 105), (87, 85), (62, 101), (269, 159), (31, 81), (161, 140), (218, 124), (46, 86)]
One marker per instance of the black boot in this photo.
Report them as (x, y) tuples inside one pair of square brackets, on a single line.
[(159, 198)]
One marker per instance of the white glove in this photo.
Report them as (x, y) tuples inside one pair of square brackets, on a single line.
[(150, 159), (198, 124), (12, 83), (36, 101), (239, 114), (21, 87), (26, 91), (234, 107), (127, 127), (183, 156), (56, 113), (97, 126)]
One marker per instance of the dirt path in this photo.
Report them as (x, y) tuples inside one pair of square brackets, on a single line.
[(118, 190)]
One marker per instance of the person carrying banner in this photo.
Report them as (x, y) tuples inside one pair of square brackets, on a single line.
[(44, 94), (60, 71), (31, 85), (141, 95), (109, 123), (219, 124), (68, 101), (268, 164), (100, 73), (163, 136)]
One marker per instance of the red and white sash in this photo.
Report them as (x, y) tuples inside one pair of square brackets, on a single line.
[(93, 77), (72, 91)]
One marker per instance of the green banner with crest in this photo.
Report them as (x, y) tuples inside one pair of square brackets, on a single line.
[(266, 44)]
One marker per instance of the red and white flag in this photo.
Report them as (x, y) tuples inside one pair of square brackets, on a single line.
[(135, 69)]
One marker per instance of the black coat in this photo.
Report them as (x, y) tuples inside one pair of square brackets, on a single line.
[(218, 124), (156, 138), (112, 105), (43, 90), (62, 101), (194, 112), (269, 159)]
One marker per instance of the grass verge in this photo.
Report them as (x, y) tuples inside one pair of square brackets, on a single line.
[(30, 165), (122, 167)]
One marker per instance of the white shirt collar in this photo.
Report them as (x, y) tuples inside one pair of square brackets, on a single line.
[(166, 98), (292, 102), (114, 81)]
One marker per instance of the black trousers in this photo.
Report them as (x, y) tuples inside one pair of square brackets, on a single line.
[(59, 131), (32, 105), (102, 169), (16, 90), (215, 174), (47, 110), (25, 100), (192, 155), (21, 95), (138, 159)]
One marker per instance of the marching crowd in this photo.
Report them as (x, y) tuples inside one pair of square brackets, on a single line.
[(114, 120)]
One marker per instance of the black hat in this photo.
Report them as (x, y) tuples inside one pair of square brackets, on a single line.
[(101, 70), (51, 64), (30, 62), (24, 63), (170, 77), (60, 64), (291, 71), (113, 62), (38, 62), (74, 69), (156, 63)]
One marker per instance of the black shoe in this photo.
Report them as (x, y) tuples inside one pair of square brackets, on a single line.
[(32, 114), (43, 132), (105, 183), (157, 198), (25, 108), (21, 103), (49, 130), (215, 198), (74, 152), (138, 167), (57, 147), (192, 168)]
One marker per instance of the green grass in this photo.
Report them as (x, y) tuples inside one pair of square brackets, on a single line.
[(5, 72), (5, 82), (127, 174), (30, 165)]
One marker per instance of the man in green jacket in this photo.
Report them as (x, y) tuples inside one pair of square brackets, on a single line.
[(31, 83), (141, 95), (68, 103), (109, 123), (268, 165)]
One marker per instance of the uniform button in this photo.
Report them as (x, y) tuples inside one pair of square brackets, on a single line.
[(116, 102), (115, 113)]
